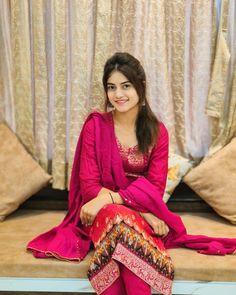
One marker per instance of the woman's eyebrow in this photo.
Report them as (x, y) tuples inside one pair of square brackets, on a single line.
[(109, 83)]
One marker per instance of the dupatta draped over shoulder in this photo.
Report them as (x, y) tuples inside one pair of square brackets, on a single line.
[(70, 240)]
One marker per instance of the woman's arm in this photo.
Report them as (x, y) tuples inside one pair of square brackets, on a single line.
[(95, 195), (91, 208), (89, 174), (158, 165)]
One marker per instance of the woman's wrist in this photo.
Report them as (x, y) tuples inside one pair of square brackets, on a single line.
[(144, 214), (110, 197), (104, 199), (141, 214), (117, 198)]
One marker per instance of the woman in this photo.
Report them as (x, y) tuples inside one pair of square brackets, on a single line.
[(143, 146), (115, 200)]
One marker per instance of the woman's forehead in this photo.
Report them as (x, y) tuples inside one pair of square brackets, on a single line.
[(117, 77)]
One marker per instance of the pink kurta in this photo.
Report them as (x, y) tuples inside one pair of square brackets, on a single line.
[(120, 234)]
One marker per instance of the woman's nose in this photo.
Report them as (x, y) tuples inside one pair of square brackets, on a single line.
[(119, 92)]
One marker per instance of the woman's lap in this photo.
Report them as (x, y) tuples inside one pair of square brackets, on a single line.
[(122, 235)]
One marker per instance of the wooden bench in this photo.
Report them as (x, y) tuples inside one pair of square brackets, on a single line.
[(194, 273)]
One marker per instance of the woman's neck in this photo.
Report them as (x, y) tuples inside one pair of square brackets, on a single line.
[(126, 120)]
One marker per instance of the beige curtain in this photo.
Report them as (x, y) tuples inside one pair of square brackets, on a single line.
[(221, 102), (21, 72), (7, 108), (55, 51), (199, 48)]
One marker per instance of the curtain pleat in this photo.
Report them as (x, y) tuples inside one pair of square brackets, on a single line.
[(7, 107), (215, 100), (224, 93), (156, 64), (197, 75), (59, 166), (21, 72), (102, 51), (175, 22), (125, 21), (81, 66), (40, 81)]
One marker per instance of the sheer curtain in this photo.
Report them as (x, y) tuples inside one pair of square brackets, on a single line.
[(221, 103), (52, 55)]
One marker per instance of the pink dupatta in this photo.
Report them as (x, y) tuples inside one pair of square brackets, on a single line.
[(70, 240)]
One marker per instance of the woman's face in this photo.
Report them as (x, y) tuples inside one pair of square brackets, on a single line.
[(121, 93)]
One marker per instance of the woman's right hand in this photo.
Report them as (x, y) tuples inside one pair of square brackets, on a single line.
[(90, 210), (159, 226)]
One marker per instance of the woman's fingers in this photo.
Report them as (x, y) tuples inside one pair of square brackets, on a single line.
[(83, 216), (86, 217), (90, 210), (160, 228), (166, 230), (89, 220), (86, 220)]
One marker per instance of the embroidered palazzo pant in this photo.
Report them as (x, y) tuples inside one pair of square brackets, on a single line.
[(128, 257), (128, 283)]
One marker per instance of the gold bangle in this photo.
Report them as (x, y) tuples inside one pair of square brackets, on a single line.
[(111, 198)]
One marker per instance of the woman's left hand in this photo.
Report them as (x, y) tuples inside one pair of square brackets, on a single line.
[(159, 226), (90, 210)]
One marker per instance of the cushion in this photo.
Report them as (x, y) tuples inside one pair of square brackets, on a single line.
[(189, 265), (178, 166), (214, 180), (21, 176)]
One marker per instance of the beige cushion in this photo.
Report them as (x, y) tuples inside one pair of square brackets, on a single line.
[(20, 175), (214, 180), (190, 265), (24, 225), (178, 166)]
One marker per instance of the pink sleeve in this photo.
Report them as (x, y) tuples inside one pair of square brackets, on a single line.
[(143, 192), (158, 166), (89, 175)]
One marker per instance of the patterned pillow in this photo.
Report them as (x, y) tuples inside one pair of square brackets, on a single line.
[(21, 176), (178, 166)]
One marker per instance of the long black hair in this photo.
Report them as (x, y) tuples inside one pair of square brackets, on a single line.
[(147, 124)]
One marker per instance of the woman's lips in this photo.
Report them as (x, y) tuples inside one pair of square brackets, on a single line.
[(121, 101)]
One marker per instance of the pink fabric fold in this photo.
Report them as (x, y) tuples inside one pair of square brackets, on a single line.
[(70, 239)]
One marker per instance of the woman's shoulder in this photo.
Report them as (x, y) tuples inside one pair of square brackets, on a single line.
[(96, 118), (162, 129), (104, 116), (163, 136)]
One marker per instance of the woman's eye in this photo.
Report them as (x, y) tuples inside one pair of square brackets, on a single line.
[(126, 86), (110, 87)]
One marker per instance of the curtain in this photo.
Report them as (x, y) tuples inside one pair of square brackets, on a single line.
[(221, 102), (52, 55), (7, 108), (21, 72)]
